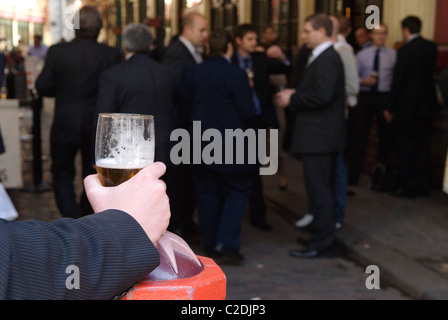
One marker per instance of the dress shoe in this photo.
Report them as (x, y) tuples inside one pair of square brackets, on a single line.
[(403, 194), (305, 221), (310, 254), (303, 241), (262, 225), (228, 256)]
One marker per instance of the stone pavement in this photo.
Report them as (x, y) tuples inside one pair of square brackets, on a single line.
[(406, 239), (374, 222)]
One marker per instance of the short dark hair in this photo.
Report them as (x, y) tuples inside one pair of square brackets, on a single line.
[(413, 23), (90, 23), (218, 41), (244, 29), (321, 20)]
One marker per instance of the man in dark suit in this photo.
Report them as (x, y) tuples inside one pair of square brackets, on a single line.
[(184, 54), (258, 66), (218, 95), (188, 50), (144, 86), (319, 131), (414, 103), (110, 251), (71, 74)]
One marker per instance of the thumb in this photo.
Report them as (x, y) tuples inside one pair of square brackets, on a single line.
[(91, 182)]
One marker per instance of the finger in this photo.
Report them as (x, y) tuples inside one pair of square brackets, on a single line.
[(156, 169)]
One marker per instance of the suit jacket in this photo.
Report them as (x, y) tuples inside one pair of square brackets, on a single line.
[(144, 86), (319, 103), (413, 89), (263, 67), (178, 59), (110, 249), (71, 74), (218, 94)]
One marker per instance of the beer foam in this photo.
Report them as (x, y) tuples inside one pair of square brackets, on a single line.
[(111, 163)]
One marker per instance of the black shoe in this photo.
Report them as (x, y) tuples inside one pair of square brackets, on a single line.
[(310, 254), (228, 256), (403, 194), (303, 241), (262, 225)]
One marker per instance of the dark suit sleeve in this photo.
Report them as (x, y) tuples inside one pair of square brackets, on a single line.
[(317, 89), (173, 60), (275, 66), (110, 249), (45, 83)]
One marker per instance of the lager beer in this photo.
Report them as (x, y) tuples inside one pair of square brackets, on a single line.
[(124, 146), (111, 175)]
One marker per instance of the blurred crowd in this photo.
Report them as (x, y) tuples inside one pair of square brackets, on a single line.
[(323, 101)]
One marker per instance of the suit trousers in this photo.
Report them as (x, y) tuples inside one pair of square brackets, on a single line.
[(179, 187), (320, 172), (370, 105), (221, 200), (413, 139), (63, 170)]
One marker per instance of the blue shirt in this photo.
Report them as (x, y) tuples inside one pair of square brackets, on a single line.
[(366, 60)]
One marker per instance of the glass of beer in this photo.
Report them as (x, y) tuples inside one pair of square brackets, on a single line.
[(124, 146)]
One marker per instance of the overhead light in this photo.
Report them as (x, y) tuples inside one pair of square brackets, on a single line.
[(78, 3), (192, 3)]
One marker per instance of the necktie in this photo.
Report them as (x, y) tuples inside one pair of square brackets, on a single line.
[(376, 69), (248, 68)]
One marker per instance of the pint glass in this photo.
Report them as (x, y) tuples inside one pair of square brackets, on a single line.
[(124, 146)]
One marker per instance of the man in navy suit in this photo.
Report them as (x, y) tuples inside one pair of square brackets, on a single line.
[(259, 67), (319, 130), (217, 93)]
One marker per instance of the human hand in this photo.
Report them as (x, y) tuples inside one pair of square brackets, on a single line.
[(388, 116), (283, 98), (143, 197), (275, 52), (370, 81)]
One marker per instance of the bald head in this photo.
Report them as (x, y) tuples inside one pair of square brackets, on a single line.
[(195, 28)]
